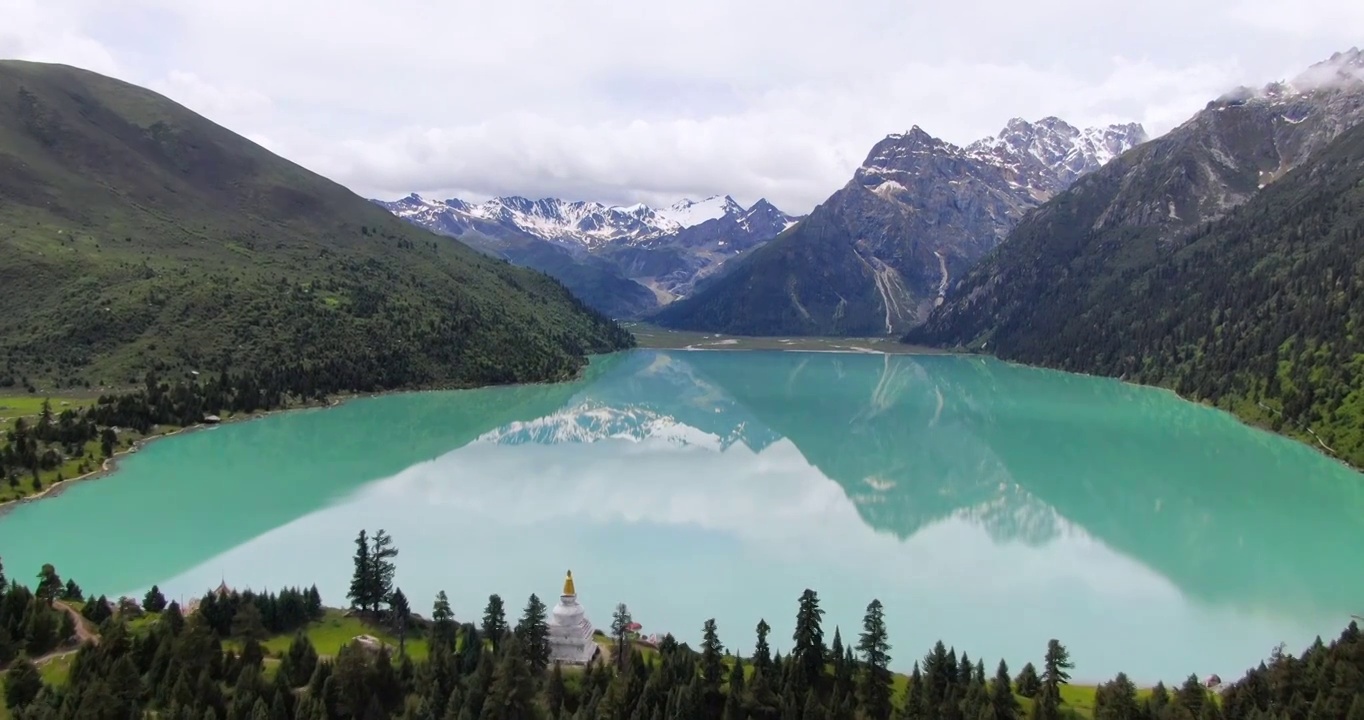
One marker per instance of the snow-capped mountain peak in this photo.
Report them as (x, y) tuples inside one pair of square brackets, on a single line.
[(590, 224), (1050, 154)]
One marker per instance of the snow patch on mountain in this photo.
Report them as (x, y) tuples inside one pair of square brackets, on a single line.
[(689, 213)]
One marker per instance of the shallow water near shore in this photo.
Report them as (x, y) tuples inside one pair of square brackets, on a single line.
[(988, 505)]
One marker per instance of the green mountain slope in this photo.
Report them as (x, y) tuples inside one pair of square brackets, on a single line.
[(595, 280), (811, 280), (136, 235), (1258, 312)]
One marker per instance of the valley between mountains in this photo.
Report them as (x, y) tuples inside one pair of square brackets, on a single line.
[(1220, 259)]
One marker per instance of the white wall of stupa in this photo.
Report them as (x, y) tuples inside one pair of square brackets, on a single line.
[(570, 632)]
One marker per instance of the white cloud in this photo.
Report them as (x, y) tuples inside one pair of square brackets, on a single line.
[(646, 101)]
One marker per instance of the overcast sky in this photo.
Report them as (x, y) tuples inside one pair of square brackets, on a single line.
[(640, 100)]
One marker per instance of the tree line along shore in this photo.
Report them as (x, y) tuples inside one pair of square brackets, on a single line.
[(243, 655)]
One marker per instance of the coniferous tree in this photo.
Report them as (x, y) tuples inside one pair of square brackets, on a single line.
[(533, 632), (712, 657), (382, 569), (360, 588), (620, 633), (50, 584), (555, 690), (443, 622), (154, 601), (247, 623), (1029, 685), (301, 660), (22, 683), (876, 678), (401, 613), (72, 592), (494, 621), (808, 651), (1117, 700), (762, 652), (1054, 668), (1003, 704)]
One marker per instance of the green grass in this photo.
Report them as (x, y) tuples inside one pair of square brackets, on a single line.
[(30, 405), (57, 672), (335, 631)]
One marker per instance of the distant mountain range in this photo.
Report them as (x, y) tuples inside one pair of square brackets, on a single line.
[(1221, 259), (876, 256), (624, 261)]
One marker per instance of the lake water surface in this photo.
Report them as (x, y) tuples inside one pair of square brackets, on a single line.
[(988, 505)]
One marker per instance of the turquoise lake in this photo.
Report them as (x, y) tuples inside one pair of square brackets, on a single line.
[(987, 505)]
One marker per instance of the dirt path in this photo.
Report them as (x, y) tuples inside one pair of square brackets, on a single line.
[(85, 634)]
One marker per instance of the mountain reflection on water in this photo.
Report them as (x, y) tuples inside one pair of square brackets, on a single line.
[(989, 505)]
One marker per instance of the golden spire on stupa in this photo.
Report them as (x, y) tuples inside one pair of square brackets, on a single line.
[(568, 584)]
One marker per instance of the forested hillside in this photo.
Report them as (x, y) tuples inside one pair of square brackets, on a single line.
[(1258, 312), (265, 656), (137, 236)]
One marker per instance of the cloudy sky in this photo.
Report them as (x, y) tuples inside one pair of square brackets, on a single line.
[(650, 101)]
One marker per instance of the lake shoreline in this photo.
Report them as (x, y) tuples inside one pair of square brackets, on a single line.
[(110, 464)]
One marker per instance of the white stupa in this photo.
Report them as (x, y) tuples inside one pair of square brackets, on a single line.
[(570, 632)]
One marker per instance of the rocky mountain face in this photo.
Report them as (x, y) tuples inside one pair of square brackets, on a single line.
[(1130, 214), (622, 260), (878, 255)]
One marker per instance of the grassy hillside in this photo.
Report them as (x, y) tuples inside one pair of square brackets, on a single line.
[(810, 280), (596, 281), (136, 235), (1258, 312)]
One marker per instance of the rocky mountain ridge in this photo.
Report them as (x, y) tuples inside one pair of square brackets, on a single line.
[(878, 255), (624, 260)]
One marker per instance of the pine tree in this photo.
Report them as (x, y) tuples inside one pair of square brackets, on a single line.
[(533, 632), (247, 623), (1003, 704), (555, 690), (511, 695), (808, 651), (401, 613), (712, 658), (50, 585), (762, 652), (494, 621), (71, 593), (381, 554), (1117, 700), (875, 682), (22, 683), (442, 622), (301, 659), (154, 601), (360, 593), (1054, 675), (1028, 684), (620, 632)]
